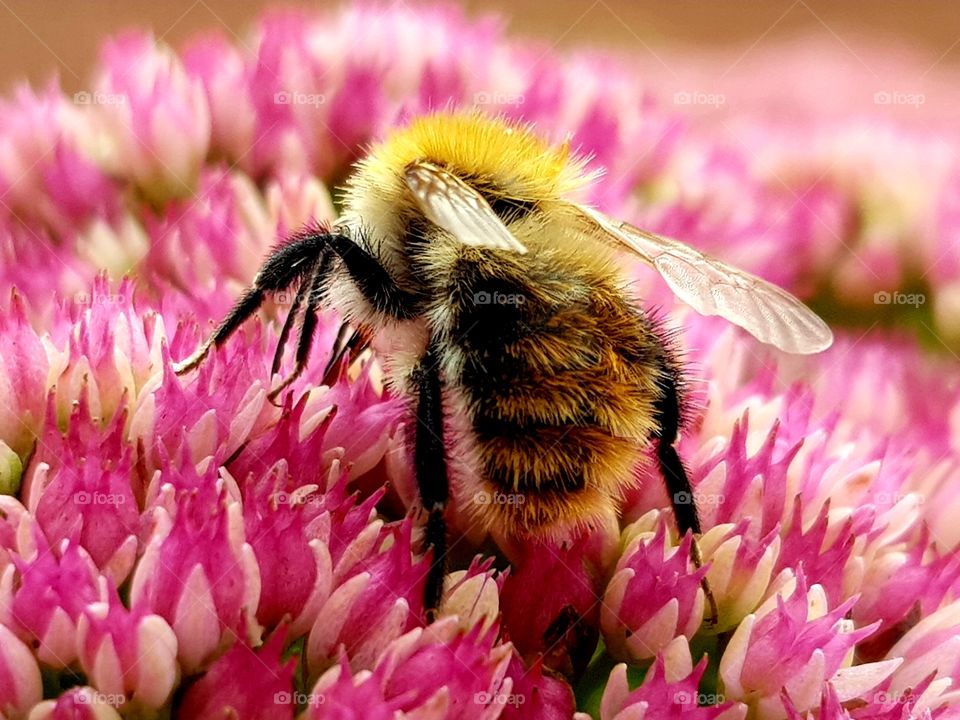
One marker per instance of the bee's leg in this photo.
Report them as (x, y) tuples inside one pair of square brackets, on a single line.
[(307, 326), (285, 331), (354, 345), (285, 265), (373, 281), (358, 264), (430, 464), (675, 476)]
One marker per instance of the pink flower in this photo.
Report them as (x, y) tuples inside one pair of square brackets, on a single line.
[(20, 687), (352, 421), (211, 413), (652, 597), (78, 703), (33, 266), (740, 571), (244, 683), (432, 672), (129, 655), (365, 420), (472, 595), (18, 532), (296, 569), (224, 75), (380, 600), (199, 574), (46, 177), (219, 234), (86, 502), (154, 118), (535, 694), (23, 377), (899, 583), (793, 645), (563, 623), (927, 653), (110, 351), (43, 598), (667, 692)]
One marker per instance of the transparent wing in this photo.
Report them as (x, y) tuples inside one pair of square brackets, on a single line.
[(712, 287), (451, 204)]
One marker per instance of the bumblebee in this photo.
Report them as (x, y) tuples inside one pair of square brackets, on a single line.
[(530, 370)]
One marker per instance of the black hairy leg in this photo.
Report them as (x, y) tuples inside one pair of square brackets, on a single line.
[(373, 281), (283, 267), (668, 416), (310, 255), (313, 291), (350, 343), (430, 465), (285, 330), (320, 271)]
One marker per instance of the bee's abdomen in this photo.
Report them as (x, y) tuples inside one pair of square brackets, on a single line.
[(559, 376)]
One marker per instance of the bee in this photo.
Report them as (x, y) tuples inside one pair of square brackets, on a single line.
[(529, 368)]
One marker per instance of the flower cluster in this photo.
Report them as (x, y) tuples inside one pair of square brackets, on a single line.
[(181, 546)]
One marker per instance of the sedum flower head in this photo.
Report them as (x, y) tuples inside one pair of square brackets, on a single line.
[(182, 547)]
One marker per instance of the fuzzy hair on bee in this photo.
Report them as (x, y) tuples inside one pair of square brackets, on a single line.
[(529, 368)]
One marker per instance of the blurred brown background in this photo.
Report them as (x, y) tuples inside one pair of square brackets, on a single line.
[(40, 36)]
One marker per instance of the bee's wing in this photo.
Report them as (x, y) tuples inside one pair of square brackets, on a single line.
[(453, 205), (712, 287)]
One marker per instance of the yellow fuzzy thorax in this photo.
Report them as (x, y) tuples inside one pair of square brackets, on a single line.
[(506, 154)]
